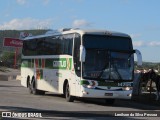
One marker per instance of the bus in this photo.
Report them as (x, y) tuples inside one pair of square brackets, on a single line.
[(80, 63)]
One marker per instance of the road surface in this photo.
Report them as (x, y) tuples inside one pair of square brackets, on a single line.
[(15, 98)]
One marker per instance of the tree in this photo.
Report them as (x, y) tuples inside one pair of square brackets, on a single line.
[(7, 59)]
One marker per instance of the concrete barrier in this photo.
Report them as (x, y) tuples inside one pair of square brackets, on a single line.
[(7, 77)]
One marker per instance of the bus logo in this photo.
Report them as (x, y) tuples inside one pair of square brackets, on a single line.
[(61, 64)]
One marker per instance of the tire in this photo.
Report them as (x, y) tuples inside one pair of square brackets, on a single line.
[(29, 85), (109, 101), (69, 98), (33, 90), (30, 88)]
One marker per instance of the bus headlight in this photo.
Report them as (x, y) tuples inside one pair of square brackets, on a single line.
[(127, 88), (89, 86)]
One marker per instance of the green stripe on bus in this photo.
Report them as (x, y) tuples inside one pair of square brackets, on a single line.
[(84, 82), (56, 63), (100, 83), (103, 83)]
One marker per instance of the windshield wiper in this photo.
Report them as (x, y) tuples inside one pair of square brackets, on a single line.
[(100, 75), (117, 73)]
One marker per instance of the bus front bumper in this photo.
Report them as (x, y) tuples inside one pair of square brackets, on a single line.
[(94, 93)]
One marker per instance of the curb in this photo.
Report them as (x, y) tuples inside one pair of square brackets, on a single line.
[(5, 77)]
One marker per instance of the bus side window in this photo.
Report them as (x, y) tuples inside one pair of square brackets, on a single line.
[(25, 48), (52, 46), (68, 44), (30, 47), (77, 63), (40, 46)]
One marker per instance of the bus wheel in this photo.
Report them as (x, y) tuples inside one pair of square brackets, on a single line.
[(30, 88), (33, 88), (109, 101), (69, 98)]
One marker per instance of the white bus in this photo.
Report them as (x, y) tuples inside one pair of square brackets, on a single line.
[(80, 63)]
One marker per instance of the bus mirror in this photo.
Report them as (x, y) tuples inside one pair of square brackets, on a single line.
[(82, 53), (139, 57)]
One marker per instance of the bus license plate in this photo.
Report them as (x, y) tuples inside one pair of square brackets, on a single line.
[(108, 94)]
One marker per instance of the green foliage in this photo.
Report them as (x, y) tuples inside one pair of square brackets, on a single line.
[(5, 56), (8, 57), (148, 65)]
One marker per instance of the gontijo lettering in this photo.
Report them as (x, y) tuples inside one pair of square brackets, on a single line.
[(59, 63)]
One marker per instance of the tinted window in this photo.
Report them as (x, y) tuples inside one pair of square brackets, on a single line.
[(77, 64), (33, 47), (68, 43), (107, 42), (55, 45)]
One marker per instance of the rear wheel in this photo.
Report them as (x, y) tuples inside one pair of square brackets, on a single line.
[(33, 90), (29, 85), (30, 89), (69, 98)]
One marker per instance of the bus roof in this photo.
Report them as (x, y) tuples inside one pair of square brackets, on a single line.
[(80, 31)]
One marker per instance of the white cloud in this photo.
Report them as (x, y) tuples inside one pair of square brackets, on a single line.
[(21, 2), (46, 2), (138, 43), (26, 23), (154, 43), (149, 44), (81, 23), (7, 15), (136, 35)]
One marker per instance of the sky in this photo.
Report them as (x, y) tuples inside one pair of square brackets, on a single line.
[(138, 18)]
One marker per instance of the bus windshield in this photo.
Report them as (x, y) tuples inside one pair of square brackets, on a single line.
[(105, 63)]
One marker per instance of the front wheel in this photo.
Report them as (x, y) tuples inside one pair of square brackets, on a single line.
[(69, 98)]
